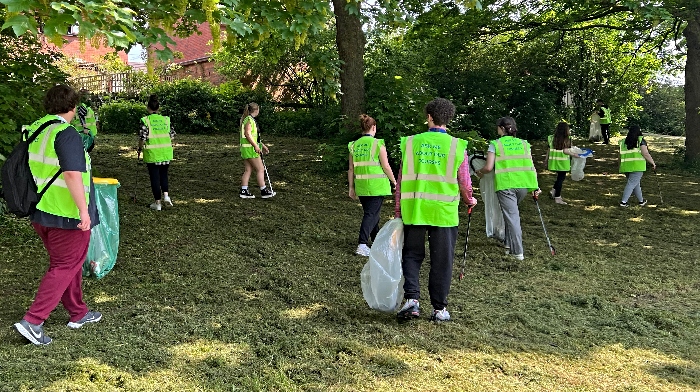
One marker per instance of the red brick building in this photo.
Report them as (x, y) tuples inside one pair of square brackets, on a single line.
[(195, 56)]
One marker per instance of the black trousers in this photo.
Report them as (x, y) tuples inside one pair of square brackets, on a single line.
[(371, 205), (441, 241), (561, 176), (605, 130), (159, 179)]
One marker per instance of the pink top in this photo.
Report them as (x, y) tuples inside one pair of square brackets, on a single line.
[(463, 179)]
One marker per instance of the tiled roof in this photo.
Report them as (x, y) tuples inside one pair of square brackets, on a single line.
[(194, 47)]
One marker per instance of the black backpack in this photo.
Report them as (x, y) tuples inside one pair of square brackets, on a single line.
[(18, 187)]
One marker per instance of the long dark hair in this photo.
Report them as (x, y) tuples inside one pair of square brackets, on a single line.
[(153, 103), (561, 136), (633, 137), (508, 125)]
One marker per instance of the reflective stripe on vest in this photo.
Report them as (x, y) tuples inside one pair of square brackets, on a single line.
[(43, 163), (246, 147), (429, 186), (370, 179), (158, 146), (632, 160), (513, 166), (558, 160)]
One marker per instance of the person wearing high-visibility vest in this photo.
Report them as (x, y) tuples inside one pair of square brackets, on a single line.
[(603, 111), (515, 178), (63, 217), (155, 141), (434, 173), (558, 158), (251, 150), (634, 155), (369, 178), (85, 121)]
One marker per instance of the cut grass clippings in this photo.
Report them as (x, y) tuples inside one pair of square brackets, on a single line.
[(219, 293)]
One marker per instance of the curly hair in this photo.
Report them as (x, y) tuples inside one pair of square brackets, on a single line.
[(60, 99), (441, 110), (508, 125)]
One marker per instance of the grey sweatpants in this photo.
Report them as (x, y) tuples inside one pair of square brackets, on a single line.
[(634, 180), (509, 200)]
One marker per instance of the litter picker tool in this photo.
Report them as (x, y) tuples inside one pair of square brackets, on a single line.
[(658, 186), (466, 243), (549, 243), (136, 177)]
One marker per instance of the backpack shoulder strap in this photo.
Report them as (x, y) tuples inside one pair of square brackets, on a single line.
[(41, 129)]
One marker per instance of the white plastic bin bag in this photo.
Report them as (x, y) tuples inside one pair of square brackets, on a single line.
[(578, 163), (382, 277), (595, 134), (495, 226)]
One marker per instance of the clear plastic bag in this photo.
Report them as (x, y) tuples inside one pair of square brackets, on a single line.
[(579, 163), (104, 238), (382, 277), (495, 226)]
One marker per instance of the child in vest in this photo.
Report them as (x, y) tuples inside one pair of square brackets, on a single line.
[(369, 175), (434, 174), (251, 148), (634, 154), (512, 186), (155, 140), (558, 158)]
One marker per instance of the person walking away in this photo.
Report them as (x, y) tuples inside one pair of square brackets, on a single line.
[(603, 112), (155, 140), (251, 148), (369, 175), (515, 179), (85, 121), (63, 218), (434, 173), (558, 158), (634, 155)]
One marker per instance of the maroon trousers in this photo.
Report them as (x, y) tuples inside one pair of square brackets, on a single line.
[(64, 279)]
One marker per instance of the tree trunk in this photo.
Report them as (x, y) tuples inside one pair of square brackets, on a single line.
[(350, 40), (692, 89)]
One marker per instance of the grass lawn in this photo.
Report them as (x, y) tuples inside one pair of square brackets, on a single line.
[(220, 294)]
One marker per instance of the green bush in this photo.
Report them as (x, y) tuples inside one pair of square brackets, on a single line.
[(189, 103), (316, 123), (121, 116)]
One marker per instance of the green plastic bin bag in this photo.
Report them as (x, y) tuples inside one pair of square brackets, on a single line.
[(104, 238)]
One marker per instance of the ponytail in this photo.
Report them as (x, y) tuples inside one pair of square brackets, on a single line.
[(508, 125), (248, 109)]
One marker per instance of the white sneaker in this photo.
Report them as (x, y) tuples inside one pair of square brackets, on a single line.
[(362, 250), (519, 257), (440, 315), (552, 192), (166, 199), (559, 200), (155, 206)]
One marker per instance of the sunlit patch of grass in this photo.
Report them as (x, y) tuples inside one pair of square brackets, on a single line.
[(303, 312), (206, 201), (104, 297), (637, 219)]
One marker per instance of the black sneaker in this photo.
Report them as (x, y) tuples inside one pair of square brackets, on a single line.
[(245, 194), (410, 310), (643, 203), (32, 332), (267, 193), (90, 317), (624, 204)]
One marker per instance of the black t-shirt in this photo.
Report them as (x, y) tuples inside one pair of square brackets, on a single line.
[(71, 157)]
